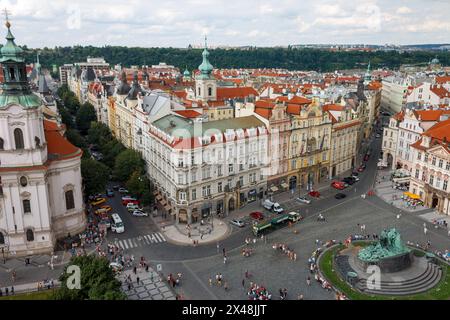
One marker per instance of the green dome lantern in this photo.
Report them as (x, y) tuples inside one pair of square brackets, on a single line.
[(206, 67), (16, 89)]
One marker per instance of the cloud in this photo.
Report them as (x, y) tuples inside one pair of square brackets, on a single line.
[(403, 10), (226, 22)]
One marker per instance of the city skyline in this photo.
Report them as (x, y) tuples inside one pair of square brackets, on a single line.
[(227, 23)]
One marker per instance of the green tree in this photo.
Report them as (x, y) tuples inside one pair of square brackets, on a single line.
[(71, 102), (110, 151), (127, 162), (97, 281), (85, 115), (139, 185), (75, 138), (95, 176), (99, 134)]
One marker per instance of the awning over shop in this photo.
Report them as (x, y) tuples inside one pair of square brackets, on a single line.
[(412, 195), (285, 185), (274, 189)]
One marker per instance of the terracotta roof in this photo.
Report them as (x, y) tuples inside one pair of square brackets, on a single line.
[(239, 92), (430, 115), (188, 113), (399, 116), (58, 147), (439, 131), (440, 91), (443, 79), (264, 104), (294, 100), (348, 125), (293, 108), (263, 112), (417, 145), (180, 94), (332, 107), (374, 85)]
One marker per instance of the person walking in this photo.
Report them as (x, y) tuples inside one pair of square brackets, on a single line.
[(246, 274), (225, 286), (137, 280), (243, 283), (224, 259), (308, 281), (134, 270), (210, 281), (12, 290)]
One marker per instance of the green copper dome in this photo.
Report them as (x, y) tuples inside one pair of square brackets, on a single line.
[(10, 51), (206, 67), (15, 88), (186, 73)]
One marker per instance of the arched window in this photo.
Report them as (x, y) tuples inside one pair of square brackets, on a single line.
[(2, 143), (2, 238), (18, 138), (70, 203), (209, 91), (30, 235)]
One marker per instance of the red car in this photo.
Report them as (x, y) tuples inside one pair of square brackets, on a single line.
[(314, 194), (257, 215), (338, 185), (130, 200), (362, 168)]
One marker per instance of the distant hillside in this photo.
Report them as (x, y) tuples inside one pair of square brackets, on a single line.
[(292, 59)]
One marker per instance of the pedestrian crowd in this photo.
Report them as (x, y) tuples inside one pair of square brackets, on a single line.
[(286, 250), (174, 280), (257, 292)]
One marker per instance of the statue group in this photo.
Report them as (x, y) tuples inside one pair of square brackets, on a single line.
[(389, 245)]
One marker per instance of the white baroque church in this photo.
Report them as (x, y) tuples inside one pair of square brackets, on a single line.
[(41, 196)]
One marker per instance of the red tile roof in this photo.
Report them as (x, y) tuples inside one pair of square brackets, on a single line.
[(332, 107), (58, 147), (263, 112), (188, 113), (264, 104), (294, 100), (440, 91), (430, 115), (443, 79), (238, 92), (439, 131)]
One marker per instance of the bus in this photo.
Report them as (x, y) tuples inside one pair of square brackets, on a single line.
[(275, 223)]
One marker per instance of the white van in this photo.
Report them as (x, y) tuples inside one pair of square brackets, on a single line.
[(273, 206), (117, 224)]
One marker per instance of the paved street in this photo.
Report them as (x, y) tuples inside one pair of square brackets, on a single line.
[(268, 267)]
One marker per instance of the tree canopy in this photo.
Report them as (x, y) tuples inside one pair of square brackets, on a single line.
[(139, 185), (127, 162), (95, 176), (289, 58), (85, 115), (97, 281)]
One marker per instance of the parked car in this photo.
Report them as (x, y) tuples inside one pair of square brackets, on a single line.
[(123, 190), (257, 215), (378, 136), (140, 213), (349, 180), (273, 206), (116, 267), (366, 157), (132, 206), (340, 196), (98, 201), (116, 188), (130, 200), (109, 193), (303, 200), (314, 194), (355, 174), (237, 223), (338, 185), (362, 168), (355, 177)]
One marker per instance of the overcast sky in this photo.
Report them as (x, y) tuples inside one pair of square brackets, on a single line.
[(163, 23)]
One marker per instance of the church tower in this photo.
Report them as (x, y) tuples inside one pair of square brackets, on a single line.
[(205, 83)]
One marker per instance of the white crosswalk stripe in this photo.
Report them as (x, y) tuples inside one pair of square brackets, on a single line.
[(131, 243)]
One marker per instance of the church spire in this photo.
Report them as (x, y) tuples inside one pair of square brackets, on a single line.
[(206, 67), (16, 88)]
